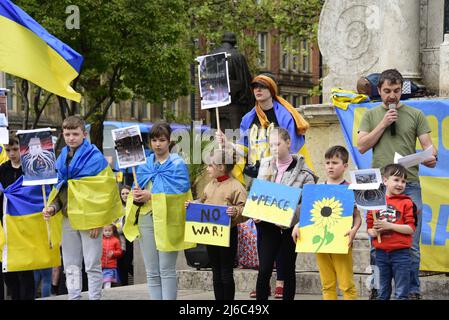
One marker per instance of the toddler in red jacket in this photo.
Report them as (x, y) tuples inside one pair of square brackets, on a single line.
[(395, 227), (112, 250)]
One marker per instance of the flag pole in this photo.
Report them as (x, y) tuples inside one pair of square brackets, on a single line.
[(135, 177), (47, 222)]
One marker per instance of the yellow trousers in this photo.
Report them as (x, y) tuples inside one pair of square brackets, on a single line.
[(336, 268)]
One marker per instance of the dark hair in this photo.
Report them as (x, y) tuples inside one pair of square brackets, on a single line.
[(120, 192), (162, 129), (74, 122), (12, 140), (395, 170), (339, 152), (391, 75), (114, 230)]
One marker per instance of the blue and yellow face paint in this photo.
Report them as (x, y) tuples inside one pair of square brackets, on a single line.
[(207, 224), (30, 52), (326, 216)]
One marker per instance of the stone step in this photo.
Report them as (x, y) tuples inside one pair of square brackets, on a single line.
[(432, 287)]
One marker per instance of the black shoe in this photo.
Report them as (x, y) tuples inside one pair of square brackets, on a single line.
[(373, 294), (415, 296)]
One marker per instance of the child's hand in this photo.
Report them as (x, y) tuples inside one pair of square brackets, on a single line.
[(48, 212), (141, 196), (351, 234), (110, 254), (382, 226), (295, 234), (373, 233), (186, 204), (93, 233), (231, 211)]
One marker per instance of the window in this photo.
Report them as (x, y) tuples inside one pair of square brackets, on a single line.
[(295, 57), (305, 100), (262, 38), (146, 110), (10, 86), (295, 101), (305, 56), (285, 54)]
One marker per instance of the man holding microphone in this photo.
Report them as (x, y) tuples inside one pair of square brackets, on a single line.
[(394, 127)]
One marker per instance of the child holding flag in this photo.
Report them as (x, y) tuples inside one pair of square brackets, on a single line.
[(156, 214), (19, 283), (82, 172), (227, 191)]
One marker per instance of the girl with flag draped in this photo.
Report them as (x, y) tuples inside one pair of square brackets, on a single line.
[(87, 195), (156, 214)]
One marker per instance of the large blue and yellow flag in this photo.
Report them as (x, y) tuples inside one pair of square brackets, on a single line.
[(30, 52), (93, 199), (434, 182), (26, 243), (170, 189), (207, 224), (326, 216), (254, 143)]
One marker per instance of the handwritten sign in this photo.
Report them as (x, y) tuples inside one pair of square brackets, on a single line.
[(207, 224), (272, 202), (326, 216)]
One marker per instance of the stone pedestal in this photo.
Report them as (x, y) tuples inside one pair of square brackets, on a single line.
[(444, 67), (360, 37)]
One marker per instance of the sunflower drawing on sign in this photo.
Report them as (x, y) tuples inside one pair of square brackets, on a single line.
[(326, 216)]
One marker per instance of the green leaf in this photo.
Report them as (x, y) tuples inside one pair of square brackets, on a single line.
[(316, 239), (329, 237)]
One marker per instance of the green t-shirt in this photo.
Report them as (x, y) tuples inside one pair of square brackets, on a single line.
[(411, 124)]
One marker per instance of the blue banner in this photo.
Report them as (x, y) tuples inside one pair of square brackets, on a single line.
[(434, 182)]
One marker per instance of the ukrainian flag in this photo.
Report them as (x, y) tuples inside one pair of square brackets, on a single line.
[(93, 199), (3, 155), (248, 144), (169, 191), (28, 51), (26, 244)]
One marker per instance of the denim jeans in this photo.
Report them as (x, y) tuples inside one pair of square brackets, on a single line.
[(160, 266), (413, 190), (394, 265), (43, 275)]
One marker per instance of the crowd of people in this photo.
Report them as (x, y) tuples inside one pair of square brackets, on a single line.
[(272, 146)]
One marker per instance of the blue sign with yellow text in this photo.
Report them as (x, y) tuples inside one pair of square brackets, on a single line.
[(434, 182)]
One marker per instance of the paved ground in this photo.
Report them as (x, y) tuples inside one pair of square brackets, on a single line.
[(140, 292)]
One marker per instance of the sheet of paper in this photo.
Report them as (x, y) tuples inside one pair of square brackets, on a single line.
[(4, 135), (414, 159)]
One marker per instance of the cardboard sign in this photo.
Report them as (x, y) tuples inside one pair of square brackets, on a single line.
[(272, 202), (207, 224), (326, 216)]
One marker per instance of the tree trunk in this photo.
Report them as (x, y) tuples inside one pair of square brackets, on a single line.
[(25, 103), (96, 130)]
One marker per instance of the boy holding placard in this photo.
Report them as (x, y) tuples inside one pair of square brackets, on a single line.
[(396, 225), (224, 190), (334, 267)]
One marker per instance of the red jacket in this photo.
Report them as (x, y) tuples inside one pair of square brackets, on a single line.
[(111, 244), (399, 211)]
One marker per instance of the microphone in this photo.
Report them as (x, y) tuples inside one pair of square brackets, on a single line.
[(393, 125)]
